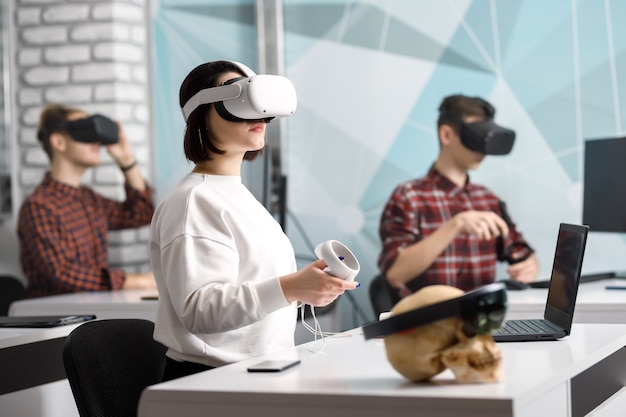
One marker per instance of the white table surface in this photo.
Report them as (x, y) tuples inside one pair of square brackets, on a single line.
[(352, 377), (594, 303), (34, 382), (104, 304), (10, 337), (130, 304)]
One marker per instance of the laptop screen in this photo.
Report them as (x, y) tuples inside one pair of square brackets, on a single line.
[(568, 259)]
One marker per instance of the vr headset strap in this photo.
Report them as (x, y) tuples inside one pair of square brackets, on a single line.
[(413, 318), (211, 95)]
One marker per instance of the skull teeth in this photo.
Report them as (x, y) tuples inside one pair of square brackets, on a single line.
[(481, 361)]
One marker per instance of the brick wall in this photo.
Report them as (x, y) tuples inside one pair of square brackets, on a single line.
[(90, 54)]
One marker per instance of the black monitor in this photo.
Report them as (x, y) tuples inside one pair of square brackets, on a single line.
[(604, 195)]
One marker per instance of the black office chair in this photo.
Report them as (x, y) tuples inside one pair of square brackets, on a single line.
[(382, 295), (109, 363), (11, 289)]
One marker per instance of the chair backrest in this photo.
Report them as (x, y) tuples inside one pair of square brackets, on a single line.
[(382, 296), (11, 289), (109, 363)]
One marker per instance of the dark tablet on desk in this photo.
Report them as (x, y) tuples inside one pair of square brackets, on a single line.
[(44, 321)]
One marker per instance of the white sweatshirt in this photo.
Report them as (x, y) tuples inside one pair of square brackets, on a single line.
[(216, 254)]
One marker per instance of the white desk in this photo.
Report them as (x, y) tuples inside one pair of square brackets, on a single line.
[(594, 303), (351, 377), (33, 376), (140, 304), (104, 304), (54, 399), (31, 357)]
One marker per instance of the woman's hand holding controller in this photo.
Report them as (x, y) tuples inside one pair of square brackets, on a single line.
[(311, 285)]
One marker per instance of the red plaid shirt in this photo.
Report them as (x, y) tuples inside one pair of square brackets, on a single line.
[(63, 238), (419, 207)]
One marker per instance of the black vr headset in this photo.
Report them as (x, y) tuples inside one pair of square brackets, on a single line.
[(93, 129), (482, 310), (485, 136)]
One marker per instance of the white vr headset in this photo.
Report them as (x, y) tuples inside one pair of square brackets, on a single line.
[(254, 97)]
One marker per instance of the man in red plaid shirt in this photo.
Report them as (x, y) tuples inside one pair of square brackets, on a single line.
[(444, 229), (63, 225)]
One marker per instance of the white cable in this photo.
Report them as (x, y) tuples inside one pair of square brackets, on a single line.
[(316, 329)]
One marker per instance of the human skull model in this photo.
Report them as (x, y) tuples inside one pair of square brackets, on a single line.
[(425, 351)]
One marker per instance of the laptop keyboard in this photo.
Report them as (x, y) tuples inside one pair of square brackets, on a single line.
[(524, 326)]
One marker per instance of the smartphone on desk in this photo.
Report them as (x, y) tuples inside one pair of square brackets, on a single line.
[(274, 365)]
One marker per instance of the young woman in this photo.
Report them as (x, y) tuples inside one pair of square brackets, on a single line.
[(226, 272)]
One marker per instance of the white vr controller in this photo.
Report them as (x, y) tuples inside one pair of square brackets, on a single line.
[(340, 260)]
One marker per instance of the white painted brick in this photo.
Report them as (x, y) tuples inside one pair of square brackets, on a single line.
[(143, 234), (142, 114), (32, 176), (39, 2), (46, 75), (107, 109), (66, 13), (29, 56), (138, 34), (67, 54), (69, 94), (117, 237), (100, 32), (36, 157), (30, 115), (121, 92), (104, 92), (106, 160), (29, 16), (44, 35), (114, 192), (109, 174), (101, 72), (86, 179), (28, 136), (102, 11), (119, 12), (123, 112), (136, 133), (141, 3), (142, 154), (119, 52), (140, 73), (30, 96), (129, 253)]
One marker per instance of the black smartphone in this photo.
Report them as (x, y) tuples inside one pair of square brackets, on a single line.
[(275, 365)]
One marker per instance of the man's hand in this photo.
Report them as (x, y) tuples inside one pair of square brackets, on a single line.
[(121, 151), (144, 281), (485, 225), (526, 270)]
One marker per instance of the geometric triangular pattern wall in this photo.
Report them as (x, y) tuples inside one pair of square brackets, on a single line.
[(370, 76)]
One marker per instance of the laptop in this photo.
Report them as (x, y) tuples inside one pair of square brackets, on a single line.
[(564, 281), (44, 321)]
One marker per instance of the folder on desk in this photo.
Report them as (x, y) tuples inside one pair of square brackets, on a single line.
[(44, 321)]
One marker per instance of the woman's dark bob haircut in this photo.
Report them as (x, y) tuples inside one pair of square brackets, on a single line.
[(199, 138)]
